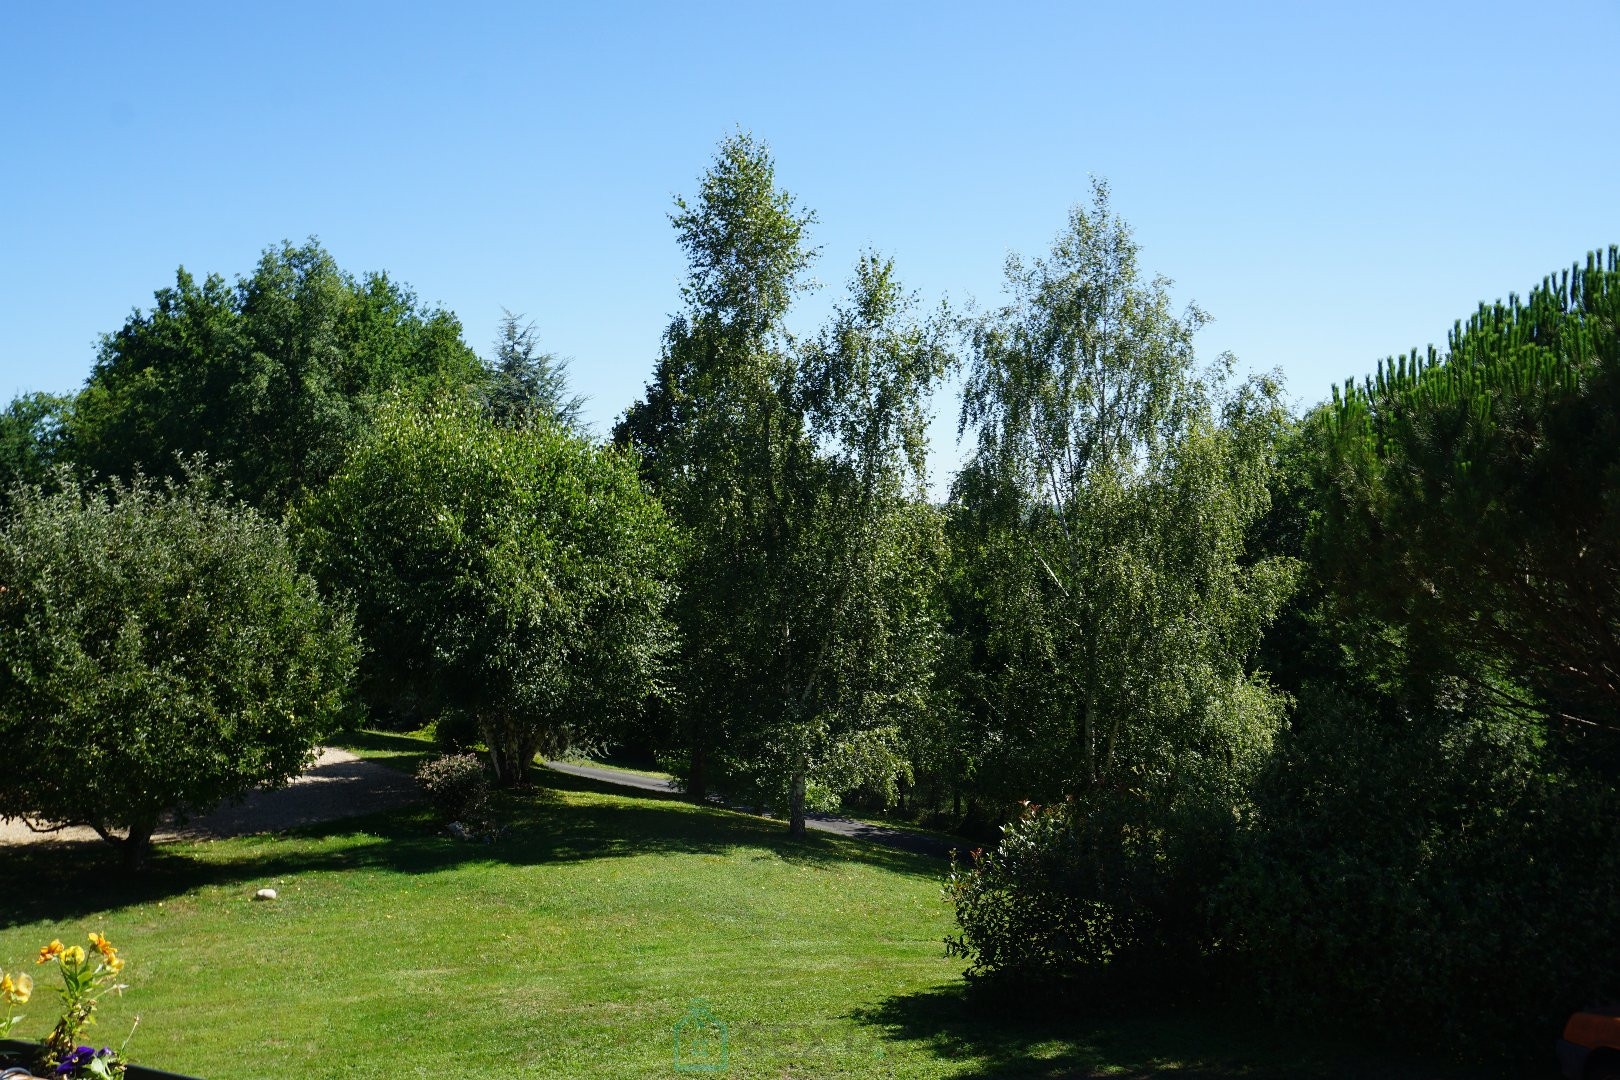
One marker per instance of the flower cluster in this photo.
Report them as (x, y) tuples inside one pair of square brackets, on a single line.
[(15, 990), (86, 976), (109, 955)]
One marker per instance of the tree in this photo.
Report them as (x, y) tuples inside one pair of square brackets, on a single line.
[(273, 378), (160, 651), (1451, 764), (1128, 484), (1468, 499), (857, 553), (710, 431), (1116, 486), (518, 574), (807, 611), (31, 438), (524, 385)]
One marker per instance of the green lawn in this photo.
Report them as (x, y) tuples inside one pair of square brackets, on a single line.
[(571, 948)]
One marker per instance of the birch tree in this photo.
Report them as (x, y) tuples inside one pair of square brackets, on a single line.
[(796, 468), (1124, 613)]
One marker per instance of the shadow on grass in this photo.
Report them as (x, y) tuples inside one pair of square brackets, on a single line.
[(548, 823), (402, 752), (1007, 1038)]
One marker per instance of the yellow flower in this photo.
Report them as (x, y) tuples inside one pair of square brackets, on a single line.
[(49, 952), (17, 991), (73, 955), (114, 963), (103, 946)]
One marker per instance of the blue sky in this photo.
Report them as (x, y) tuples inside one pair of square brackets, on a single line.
[(1333, 183)]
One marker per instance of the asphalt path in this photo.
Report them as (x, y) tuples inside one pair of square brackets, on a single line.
[(903, 839)]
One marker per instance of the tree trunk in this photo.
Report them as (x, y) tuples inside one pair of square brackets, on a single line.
[(697, 781), (796, 809), (511, 752), (136, 846)]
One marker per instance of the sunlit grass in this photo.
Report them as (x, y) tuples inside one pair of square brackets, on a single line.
[(571, 947)]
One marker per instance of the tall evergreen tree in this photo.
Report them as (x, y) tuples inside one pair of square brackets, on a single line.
[(1468, 498), (524, 385)]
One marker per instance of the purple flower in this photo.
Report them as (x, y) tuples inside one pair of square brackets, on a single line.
[(80, 1058)]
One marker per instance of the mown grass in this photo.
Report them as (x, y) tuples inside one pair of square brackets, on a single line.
[(570, 948)]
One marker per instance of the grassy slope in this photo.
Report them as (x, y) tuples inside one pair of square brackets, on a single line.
[(570, 948)]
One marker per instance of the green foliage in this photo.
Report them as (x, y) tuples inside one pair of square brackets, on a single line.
[(806, 614), (456, 730), (1109, 897), (273, 377), (1106, 515), (456, 785), (159, 651), (1432, 848), (1437, 876), (523, 385), (1469, 501), (31, 439), (519, 574)]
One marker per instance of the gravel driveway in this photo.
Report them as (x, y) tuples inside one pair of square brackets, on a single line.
[(338, 785)]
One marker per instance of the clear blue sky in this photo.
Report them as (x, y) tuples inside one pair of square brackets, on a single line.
[(1333, 182)]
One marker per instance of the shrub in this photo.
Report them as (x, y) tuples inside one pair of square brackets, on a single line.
[(160, 651), (456, 731), (1439, 877), (456, 785), (1081, 899)]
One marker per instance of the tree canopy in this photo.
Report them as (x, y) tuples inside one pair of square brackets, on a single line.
[(160, 650), (517, 574), (273, 377)]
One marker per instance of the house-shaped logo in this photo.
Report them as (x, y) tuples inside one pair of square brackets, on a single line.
[(700, 1041)]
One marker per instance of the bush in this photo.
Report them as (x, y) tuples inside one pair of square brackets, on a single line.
[(456, 785), (160, 651), (1087, 899), (456, 731), (1440, 878)]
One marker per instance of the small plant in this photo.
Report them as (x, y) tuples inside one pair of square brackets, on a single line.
[(86, 978), (457, 786)]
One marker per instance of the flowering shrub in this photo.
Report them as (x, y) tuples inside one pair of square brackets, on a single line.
[(457, 786)]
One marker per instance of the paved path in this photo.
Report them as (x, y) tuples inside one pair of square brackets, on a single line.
[(904, 839), (337, 785), (340, 785)]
